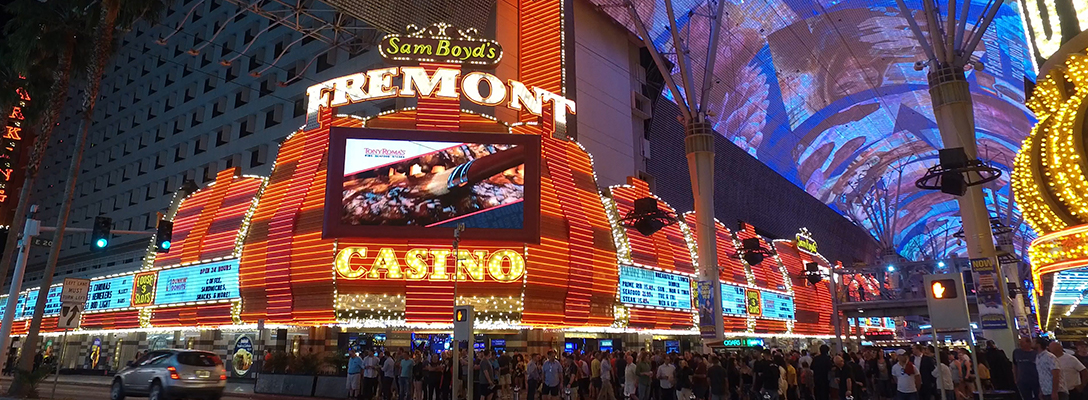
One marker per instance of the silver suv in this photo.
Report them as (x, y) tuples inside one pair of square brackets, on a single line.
[(172, 374)]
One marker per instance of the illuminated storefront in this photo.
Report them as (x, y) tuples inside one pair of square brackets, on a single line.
[(1051, 185), (351, 235)]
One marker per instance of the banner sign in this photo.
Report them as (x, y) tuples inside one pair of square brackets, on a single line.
[(991, 310), (705, 290), (645, 287), (205, 282)]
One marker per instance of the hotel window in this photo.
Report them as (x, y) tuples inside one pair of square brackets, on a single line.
[(273, 116)]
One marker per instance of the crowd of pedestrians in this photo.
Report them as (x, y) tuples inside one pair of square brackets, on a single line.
[(1038, 370)]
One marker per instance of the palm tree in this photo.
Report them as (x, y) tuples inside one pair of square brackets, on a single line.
[(42, 40), (112, 15)]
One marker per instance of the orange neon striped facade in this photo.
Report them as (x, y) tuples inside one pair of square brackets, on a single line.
[(286, 269), (207, 224)]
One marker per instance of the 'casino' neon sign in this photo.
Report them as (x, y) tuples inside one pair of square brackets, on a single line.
[(445, 83), (436, 265)]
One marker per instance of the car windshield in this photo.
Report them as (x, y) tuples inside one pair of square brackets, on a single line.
[(199, 359)]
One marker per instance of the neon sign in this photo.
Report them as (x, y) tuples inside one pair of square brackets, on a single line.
[(11, 137), (446, 83), (433, 44), (805, 243), (417, 264)]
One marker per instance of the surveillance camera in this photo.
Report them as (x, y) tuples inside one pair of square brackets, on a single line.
[(919, 65)]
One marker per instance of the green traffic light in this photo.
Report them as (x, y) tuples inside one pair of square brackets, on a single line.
[(101, 243)]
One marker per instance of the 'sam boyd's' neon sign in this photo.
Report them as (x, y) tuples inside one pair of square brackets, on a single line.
[(444, 82), (433, 44)]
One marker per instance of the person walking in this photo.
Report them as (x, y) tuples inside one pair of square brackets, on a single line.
[(666, 376), (371, 370), (630, 378), (404, 381), (1050, 374), (389, 375), (645, 376), (1074, 375), (355, 368), (821, 369), (552, 374), (907, 378), (945, 386), (534, 375), (1024, 371), (487, 380)]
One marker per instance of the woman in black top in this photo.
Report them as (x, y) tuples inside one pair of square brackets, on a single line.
[(683, 380), (732, 372), (432, 376)]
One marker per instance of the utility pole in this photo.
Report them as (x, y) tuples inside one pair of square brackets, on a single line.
[(948, 49), (30, 230)]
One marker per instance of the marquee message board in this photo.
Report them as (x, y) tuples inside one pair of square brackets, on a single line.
[(110, 293), (777, 306), (640, 286), (733, 301), (743, 301), (205, 282)]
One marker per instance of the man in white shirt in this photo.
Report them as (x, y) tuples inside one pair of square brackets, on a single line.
[(1050, 374), (370, 375), (665, 376), (907, 378), (1074, 374)]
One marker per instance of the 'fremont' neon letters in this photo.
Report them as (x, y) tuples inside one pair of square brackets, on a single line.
[(504, 265), (443, 83)]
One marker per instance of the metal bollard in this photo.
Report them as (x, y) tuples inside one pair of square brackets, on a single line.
[(517, 392)]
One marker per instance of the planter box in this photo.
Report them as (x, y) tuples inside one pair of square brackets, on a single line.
[(288, 385), (335, 387), (302, 385)]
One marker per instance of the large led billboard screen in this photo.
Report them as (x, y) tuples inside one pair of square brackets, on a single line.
[(394, 183)]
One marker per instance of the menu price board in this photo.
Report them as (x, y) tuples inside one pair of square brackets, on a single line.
[(777, 306), (105, 294), (733, 301), (654, 288), (204, 282)]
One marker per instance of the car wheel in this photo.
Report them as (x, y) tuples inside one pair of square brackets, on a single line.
[(156, 392), (117, 390)]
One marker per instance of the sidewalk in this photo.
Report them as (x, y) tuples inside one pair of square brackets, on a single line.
[(102, 383)]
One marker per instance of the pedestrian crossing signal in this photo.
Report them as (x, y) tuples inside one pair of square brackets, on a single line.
[(460, 317), (942, 289)]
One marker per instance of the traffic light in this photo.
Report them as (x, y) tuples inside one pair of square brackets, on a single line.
[(163, 235), (942, 289), (100, 233)]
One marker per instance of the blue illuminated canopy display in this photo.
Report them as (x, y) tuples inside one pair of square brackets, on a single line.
[(825, 93)]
